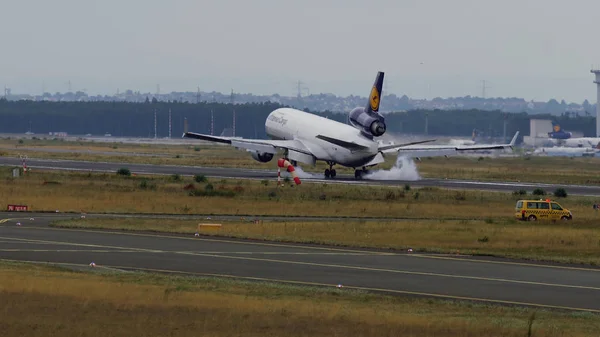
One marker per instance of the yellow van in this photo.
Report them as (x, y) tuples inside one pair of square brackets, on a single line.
[(533, 210)]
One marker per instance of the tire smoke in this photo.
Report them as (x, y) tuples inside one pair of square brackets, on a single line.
[(404, 169), (304, 175)]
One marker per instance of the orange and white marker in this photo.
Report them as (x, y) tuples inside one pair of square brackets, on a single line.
[(284, 163)]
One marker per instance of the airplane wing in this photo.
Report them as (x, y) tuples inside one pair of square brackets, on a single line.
[(403, 148), (266, 146), (394, 147)]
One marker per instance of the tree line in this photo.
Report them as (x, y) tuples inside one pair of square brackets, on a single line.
[(128, 119)]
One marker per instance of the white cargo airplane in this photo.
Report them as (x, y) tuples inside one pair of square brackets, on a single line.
[(306, 138)]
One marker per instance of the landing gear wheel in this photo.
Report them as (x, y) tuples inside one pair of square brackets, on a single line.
[(358, 174), (330, 172)]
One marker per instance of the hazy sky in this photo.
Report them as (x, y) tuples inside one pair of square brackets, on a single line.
[(535, 49)]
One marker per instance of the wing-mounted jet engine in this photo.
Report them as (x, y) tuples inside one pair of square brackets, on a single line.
[(263, 157)]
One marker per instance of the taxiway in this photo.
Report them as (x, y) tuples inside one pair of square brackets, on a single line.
[(86, 166), (442, 276)]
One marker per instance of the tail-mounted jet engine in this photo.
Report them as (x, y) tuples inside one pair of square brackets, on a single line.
[(262, 157), (371, 124), (367, 119)]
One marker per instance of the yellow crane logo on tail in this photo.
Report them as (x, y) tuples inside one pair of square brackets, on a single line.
[(374, 100)]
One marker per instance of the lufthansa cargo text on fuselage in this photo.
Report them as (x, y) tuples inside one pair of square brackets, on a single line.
[(279, 120)]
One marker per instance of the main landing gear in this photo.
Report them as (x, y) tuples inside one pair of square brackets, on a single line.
[(330, 172), (359, 174)]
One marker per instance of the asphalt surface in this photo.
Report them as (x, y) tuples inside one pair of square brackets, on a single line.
[(270, 174), (442, 276)]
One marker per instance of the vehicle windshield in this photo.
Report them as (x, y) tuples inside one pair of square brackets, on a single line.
[(556, 207), (519, 204)]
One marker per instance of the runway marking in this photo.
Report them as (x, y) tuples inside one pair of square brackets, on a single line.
[(277, 253), (296, 245), (314, 264), (5, 220), (12, 240), (279, 245), (399, 271), (65, 250), (82, 244), (524, 264), (126, 250), (306, 283), (118, 249)]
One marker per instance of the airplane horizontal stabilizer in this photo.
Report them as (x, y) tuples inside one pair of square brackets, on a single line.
[(224, 140), (412, 148), (396, 146)]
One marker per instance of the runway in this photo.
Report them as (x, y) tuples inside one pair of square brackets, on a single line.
[(218, 172), (441, 276)]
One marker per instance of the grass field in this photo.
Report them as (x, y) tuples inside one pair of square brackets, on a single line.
[(104, 192), (577, 242), (44, 301), (526, 169)]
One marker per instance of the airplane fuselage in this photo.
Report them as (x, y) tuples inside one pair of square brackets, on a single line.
[(583, 142), (288, 123), (566, 151)]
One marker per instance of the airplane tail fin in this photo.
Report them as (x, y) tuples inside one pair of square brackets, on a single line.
[(558, 132), (513, 141), (375, 95), (556, 126)]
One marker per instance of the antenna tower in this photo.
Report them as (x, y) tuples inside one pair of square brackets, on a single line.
[(170, 123), (596, 73), (483, 87), (155, 133), (300, 87), (198, 95), (212, 122), (505, 122), (231, 99)]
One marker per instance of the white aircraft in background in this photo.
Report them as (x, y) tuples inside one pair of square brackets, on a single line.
[(560, 137), (306, 138), (583, 142), (567, 151)]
